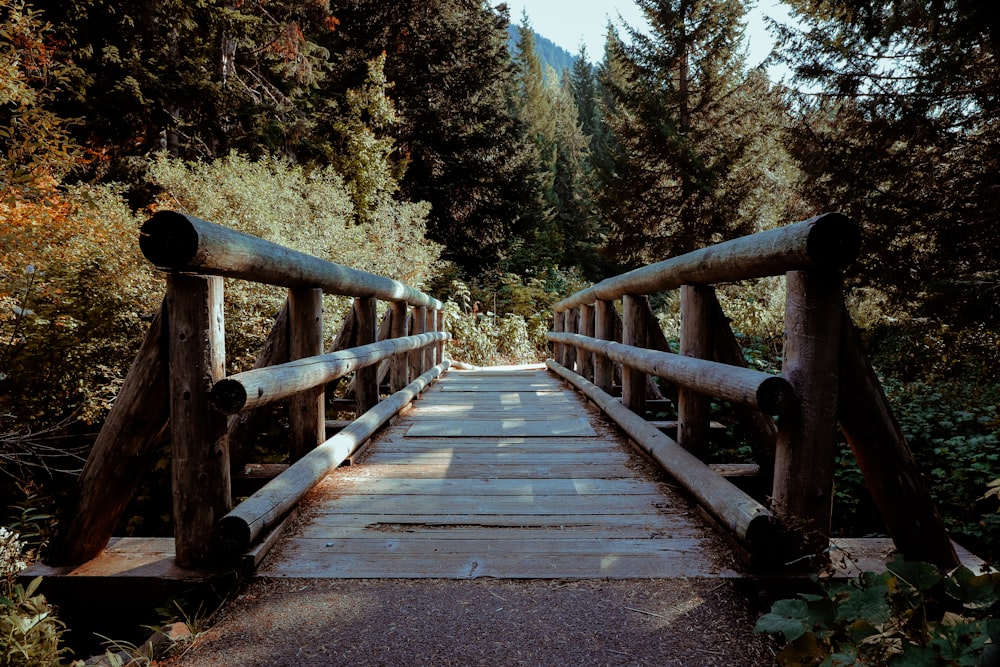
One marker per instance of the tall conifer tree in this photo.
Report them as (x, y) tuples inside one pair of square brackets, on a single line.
[(680, 128)]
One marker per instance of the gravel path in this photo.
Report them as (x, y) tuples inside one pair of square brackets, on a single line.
[(484, 622)]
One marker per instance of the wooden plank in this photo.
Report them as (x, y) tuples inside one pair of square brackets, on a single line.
[(503, 427), (403, 444), (400, 544), (500, 521), (495, 458), (494, 487), (445, 469), (545, 533), (525, 566), (496, 505), (494, 387)]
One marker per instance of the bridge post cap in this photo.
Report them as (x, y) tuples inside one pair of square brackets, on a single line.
[(169, 239), (834, 240), (228, 396)]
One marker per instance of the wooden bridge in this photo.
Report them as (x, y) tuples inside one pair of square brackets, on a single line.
[(556, 472)]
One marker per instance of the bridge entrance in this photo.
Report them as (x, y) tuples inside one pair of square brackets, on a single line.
[(498, 473)]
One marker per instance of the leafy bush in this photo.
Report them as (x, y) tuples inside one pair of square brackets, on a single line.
[(309, 210), (73, 290), (909, 616)]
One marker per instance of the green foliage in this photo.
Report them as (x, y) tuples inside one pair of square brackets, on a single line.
[(909, 90), (73, 289), (309, 210), (36, 142), (911, 615)]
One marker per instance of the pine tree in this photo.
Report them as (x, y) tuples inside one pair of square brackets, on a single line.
[(679, 125), (899, 131), (454, 89)]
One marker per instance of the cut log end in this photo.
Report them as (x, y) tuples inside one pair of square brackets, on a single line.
[(834, 241), (233, 536), (228, 396), (168, 240), (775, 396)]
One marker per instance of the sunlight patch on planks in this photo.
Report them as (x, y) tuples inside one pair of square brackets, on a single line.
[(462, 488)]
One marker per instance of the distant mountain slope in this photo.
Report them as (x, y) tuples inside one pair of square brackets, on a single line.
[(549, 52)]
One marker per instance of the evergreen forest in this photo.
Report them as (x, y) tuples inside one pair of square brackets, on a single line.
[(417, 140)]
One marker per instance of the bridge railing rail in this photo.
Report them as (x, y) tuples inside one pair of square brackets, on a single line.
[(178, 379), (825, 380)]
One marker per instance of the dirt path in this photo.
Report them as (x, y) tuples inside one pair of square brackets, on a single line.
[(302, 622)]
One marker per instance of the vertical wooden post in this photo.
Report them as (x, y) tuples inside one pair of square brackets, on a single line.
[(366, 379), (585, 359), (200, 451), (306, 414), (441, 326), (805, 447), (399, 376), (430, 352), (571, 325), (558, 326), (419, 326), (634, 334), (604, 329), (697, 330)]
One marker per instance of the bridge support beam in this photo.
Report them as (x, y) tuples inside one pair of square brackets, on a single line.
[(634, 334), (199, 443), (806, 444), (697, 333), (366, 379), (399, 373), (604, 329), (307, 416)]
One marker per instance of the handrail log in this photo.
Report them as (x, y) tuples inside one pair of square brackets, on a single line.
[(260, 386), (237, 530), (830, 241), (749, 521), (179, 242), (770, 394)]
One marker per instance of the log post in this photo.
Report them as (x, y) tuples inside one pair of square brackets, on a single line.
[(806, 444), (366, 379), (585, 360), (604, 329), (571, 325), (201, 482), (399, 376), (244, 427), (697, 329), (442, 323), (558, 326), (430, 352), (306, 415), (418, 326), (634, 334), (885, 460)]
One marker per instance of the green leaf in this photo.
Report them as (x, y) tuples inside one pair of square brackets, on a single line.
[(921, 576), (866, 604), (972, 590), (915, 656), (787, 617)]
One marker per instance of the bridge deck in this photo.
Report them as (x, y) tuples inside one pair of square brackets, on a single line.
[(503, 474)]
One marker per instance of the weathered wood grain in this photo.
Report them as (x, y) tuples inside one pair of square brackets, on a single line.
[(423, 504)]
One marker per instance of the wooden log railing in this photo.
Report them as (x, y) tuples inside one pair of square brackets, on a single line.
[(178, 380), (825, 380)]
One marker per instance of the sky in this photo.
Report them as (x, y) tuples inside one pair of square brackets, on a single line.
[(569, 23)]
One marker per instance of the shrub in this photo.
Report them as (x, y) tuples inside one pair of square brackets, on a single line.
[(309, 210), (910, 616)]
